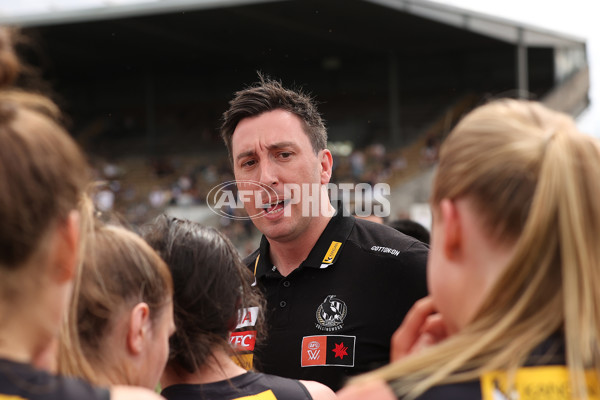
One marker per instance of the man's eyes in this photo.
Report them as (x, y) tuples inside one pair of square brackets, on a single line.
[(281, 155), (248, 163)]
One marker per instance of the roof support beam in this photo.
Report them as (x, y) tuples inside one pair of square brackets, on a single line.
[(394, 98), (522, 67)]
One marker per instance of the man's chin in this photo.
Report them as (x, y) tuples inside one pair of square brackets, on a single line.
[(277, 232)]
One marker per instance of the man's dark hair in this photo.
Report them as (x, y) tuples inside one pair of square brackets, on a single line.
[(268, 95), (411, 228)]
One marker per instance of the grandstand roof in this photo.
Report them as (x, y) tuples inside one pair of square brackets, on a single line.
[(31, 13), (382, 70)]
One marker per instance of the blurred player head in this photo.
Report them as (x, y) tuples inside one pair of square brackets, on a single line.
[(212, 290), (122, 315)]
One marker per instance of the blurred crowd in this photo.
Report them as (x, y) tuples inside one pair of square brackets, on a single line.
[(139, 189)]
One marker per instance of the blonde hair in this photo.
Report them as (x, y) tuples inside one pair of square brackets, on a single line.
[(534, 180), (120, 270), (43, 173), (43, 178)]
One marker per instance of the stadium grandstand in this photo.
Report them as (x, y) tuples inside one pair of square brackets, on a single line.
[(144, 84)]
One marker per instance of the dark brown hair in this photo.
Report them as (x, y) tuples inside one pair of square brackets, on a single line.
[(43, 173), (268, 95), (211, 286), (411, 228)]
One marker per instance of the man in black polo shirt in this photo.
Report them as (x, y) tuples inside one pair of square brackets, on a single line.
[(336, 287)]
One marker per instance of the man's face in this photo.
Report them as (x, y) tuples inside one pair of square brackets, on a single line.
[(273, 150)]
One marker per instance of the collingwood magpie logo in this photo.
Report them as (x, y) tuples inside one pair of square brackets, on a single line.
[(331, 313)]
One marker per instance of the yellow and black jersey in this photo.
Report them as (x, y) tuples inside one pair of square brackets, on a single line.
[(251, 385), (544, 377), (550, 382), (23, 382), (334, 315)]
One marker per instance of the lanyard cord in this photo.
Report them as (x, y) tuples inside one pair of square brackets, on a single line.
[(256, 264)]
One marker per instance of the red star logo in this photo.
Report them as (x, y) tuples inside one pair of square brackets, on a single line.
[(340, 351)]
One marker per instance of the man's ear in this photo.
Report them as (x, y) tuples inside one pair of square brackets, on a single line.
[(326, 160), (66, 248), (138, 328), (453, 235)]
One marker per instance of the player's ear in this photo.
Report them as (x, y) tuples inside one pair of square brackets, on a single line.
[(326, 161), (453, 238), (65, 248), (138, 328)]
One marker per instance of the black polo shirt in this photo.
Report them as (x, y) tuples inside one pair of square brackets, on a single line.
[(335, 314)]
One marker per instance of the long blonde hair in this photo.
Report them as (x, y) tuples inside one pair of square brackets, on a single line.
[(535, 182), (43, 178), (119, 270), (43, 172)]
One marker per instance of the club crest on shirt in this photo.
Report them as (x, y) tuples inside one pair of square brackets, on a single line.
[(331, 313)]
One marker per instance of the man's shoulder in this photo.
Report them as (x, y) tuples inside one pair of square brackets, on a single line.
[(382, 239), (251, 259)]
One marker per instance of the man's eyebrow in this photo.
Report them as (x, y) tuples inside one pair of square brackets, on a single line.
[(245, 154), (274, 146), (281, 145)]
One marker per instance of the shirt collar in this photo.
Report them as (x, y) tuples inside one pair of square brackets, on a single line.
[(324, 253)]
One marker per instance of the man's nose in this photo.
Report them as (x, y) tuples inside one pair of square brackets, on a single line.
[(268, 173)]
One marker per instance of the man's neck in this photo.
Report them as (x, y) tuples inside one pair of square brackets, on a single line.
[(287, 256)]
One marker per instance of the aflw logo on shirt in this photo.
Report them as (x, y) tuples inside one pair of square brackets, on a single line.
[(328, 350)]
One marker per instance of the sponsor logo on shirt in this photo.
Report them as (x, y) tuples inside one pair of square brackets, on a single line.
[(247, 317), (328, 350), (387, 250), (331, 313), (331, 253), (531, 383), (243, 340)]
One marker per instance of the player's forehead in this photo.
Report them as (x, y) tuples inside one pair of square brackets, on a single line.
[(270, 130)]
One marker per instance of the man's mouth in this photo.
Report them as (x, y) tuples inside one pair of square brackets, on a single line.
[(274, 207)]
